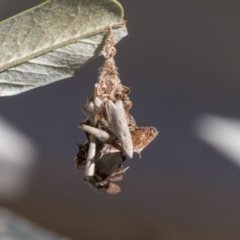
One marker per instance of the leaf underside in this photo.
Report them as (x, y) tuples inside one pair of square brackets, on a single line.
[(53, 40)]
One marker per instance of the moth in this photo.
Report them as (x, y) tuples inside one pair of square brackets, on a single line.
[(80, 159), (108, 169), (142, 137)]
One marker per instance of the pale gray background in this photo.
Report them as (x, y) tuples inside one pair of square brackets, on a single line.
[(182, 59)]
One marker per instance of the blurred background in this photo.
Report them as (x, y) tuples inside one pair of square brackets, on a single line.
[(182, 59)]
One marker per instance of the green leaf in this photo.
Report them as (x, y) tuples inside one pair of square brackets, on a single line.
[(53, 40)]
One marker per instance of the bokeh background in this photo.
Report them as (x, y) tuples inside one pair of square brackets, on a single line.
[(182, 59)]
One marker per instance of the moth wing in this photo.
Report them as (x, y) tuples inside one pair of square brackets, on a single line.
[(142, 137), (113, 188)]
